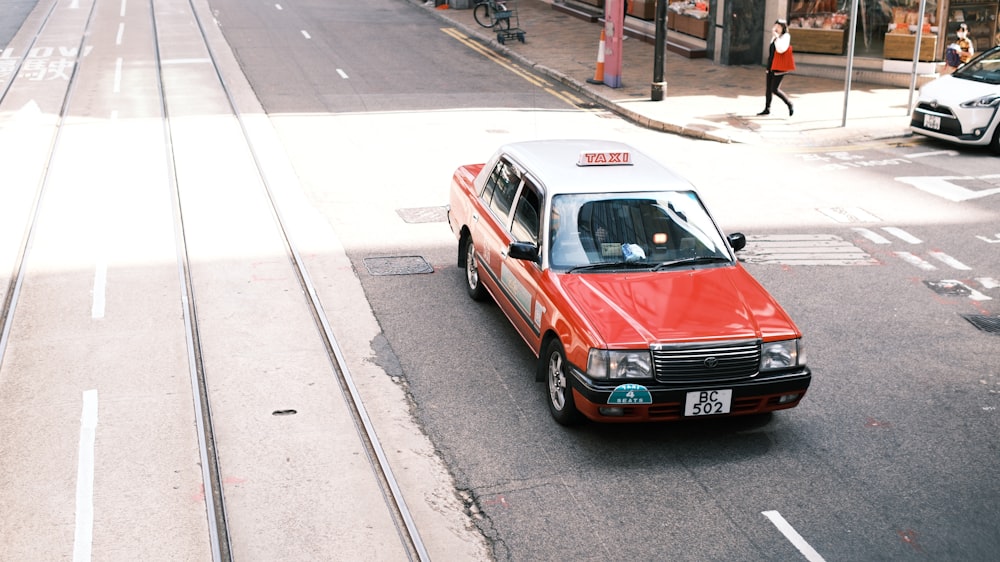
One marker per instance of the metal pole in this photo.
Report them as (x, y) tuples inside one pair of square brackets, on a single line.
[(916, 54), (850, 58), (659, 86)]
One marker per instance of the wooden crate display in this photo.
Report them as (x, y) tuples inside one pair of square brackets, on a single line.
[(822, 41), (899, 46), (688, 25), (642, 9)]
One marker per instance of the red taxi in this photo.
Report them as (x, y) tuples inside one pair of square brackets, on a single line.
[(612, 270)]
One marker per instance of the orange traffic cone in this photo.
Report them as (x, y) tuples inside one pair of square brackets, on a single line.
[(599, 72)]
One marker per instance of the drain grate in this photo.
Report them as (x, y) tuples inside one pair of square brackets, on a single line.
[(398, 265), (989, 324), (423, 214)]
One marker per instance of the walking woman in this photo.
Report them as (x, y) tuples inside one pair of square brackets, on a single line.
[(779, 63)]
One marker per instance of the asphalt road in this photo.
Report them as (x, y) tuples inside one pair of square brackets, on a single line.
[(891, 456)]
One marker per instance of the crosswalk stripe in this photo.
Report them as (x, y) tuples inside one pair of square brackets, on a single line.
[(915, 261)]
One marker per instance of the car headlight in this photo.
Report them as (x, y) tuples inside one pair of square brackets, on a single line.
[(988, 100), (784, 354), (626, 364)]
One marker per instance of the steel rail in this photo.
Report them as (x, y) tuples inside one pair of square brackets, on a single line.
[(391, 492)]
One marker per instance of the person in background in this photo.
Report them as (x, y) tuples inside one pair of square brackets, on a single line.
[(959, 52), (779, 63)]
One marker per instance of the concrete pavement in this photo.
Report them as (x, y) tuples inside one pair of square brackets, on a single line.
[(702, 99)]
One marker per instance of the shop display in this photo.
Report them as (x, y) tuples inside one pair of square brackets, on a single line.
[(817, 26), (900, 37), (981, 17), (690, 18)]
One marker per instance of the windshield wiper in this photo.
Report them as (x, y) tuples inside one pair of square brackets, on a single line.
[(692, 261), (610, 265)]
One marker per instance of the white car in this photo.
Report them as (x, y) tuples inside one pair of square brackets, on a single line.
[(963, 107)]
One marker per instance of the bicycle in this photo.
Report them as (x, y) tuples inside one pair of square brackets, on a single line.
[(491, 13)]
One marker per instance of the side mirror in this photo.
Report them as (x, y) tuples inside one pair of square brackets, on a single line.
[(523, 251), (737, 240)]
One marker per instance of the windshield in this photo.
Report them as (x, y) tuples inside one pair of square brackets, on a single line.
[(986, 68), (642, 229)]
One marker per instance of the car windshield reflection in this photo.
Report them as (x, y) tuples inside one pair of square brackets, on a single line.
[(983, 69), (608, 232)]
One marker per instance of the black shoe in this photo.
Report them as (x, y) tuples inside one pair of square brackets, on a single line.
[(765, 112), (791, 111)]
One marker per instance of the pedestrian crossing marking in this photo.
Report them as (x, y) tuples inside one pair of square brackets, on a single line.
[(804, 249)]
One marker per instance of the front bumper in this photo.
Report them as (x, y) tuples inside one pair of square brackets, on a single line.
[(953, 124), (755, 396)]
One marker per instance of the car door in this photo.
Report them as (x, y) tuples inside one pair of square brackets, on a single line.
[(490, 231), (519, 278)]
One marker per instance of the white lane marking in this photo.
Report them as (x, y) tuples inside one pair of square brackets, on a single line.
[(342, 73), (914, 260), (973, 294), (118, 75), (902, 234), (278, 6), (121, 10), (935, 153), (948, 260), (804, 249), (100, 283), (793, 536), (185, 61), (121, 32), (943, 186), (306, 34), (990, 240), (84, 534), (988, 282), (849, 214), (874, 237)]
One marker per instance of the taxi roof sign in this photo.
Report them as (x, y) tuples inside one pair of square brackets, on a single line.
[(605, 158)]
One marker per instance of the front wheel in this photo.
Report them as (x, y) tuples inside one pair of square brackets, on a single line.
[(482, 14), (472, 282), (995, 144), (561, 404)]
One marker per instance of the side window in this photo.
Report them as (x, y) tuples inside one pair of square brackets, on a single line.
[(501, 187), (525, 227)]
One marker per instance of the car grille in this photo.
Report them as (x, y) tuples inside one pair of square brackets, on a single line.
[(712, 362), (936, 109)]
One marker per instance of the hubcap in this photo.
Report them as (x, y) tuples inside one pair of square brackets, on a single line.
[(557, 382), (471, 269)]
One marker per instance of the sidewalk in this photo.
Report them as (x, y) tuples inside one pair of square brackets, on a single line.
[(702, 99)]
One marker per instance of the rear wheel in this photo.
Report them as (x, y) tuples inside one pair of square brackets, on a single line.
[(472, 283), (561, 404), (482, 14)]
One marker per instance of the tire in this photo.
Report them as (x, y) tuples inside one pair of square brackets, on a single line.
[(482, 14), (995, 143), (472, 282), (560, 393)]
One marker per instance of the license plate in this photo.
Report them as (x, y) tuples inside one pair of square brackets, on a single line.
[(708, 402), (932, 122)]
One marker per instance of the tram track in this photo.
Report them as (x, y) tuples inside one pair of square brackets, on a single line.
[(199, 370)]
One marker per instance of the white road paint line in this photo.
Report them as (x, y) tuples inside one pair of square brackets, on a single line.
[(944, 186), (995, 240), (934, 153), (793, 536), (278, 6), (121, 32), (948, 260), (973, 294), (185, 61), (874, 237), (902, 234), (915, 261), (342, 73), (84, 534), (121, 10), (118, 75), (306, 34), (849, 214), (988, 282), (100, 285)]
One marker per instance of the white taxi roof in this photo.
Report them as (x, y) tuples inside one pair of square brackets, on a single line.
[(554, 163)]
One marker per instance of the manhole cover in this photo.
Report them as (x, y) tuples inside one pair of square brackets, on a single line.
[(990, 324), (398, 265), (423, 214)]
